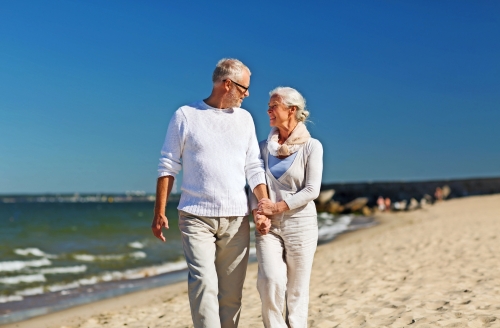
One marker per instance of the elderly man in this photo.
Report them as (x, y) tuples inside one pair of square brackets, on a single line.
[(214, 142)]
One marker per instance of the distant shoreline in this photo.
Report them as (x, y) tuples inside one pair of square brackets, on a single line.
[(460, 187)]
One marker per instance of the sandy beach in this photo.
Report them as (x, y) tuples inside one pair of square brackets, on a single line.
[(435, 267)]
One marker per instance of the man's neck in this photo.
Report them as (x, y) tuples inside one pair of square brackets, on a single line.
[(215, 102)]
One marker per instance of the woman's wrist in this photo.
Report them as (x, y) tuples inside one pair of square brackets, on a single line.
[(280, 207)]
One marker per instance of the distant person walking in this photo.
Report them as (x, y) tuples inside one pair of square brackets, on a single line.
[(214, 142), (294, 165)]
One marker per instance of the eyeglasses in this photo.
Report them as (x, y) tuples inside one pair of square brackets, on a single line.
[(241, 86)]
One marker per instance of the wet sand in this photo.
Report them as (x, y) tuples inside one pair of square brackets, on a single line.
[(435, 267)]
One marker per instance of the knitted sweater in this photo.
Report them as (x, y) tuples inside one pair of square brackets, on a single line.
[(217, 149)]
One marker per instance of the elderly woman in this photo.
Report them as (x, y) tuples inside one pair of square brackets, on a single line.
[(285, 251)]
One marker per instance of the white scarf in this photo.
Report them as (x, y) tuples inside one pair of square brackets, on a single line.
[(297, 138)]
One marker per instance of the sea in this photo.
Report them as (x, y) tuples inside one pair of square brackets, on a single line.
[(57, 255)]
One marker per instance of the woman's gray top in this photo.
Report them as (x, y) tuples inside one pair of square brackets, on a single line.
[(299, 186)]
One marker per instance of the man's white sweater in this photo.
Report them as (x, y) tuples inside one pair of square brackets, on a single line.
[(216, 149)]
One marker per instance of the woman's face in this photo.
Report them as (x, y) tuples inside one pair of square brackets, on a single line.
[(278, 112)]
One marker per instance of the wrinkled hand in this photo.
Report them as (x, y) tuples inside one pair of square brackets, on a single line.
[(267, 207), (159, 221), (262, 223)]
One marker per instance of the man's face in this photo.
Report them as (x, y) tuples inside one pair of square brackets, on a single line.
[(237, 93)]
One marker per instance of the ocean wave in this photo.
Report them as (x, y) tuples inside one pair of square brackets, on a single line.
[(65, 288), (31, 291), (109, 276), (9, 266), (60, 287), (92, 258), (154, 270), (252, 251), (108, 257), (20, 279), (136, 244), (34, 252), (329, 228), (12, 298), (88, 281), (138, 255), (72, 269)]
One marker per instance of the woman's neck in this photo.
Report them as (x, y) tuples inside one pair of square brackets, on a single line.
[(286, 130)]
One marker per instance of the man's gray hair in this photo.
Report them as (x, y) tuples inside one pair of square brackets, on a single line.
[(291, 97), (229, 68)]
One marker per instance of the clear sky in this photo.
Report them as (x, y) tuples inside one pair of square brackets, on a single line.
[(398, 90)]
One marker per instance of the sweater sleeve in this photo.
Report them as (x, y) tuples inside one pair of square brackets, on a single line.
[(314, 171), (252, 201), (171, 152), (254, 165)]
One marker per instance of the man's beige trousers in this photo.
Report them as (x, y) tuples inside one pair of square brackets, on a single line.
[(216, 251)]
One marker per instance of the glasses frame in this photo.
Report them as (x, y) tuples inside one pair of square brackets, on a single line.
[(241, 86)]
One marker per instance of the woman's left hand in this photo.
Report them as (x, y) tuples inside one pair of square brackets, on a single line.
[(267, 207)]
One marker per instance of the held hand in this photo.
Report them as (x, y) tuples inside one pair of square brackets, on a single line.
[(159, 221), (267, 207), (262, 223)]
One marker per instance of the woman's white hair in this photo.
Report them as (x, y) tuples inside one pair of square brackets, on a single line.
[(229, 68), (291, 97)]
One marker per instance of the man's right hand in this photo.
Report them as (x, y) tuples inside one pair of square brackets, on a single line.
[(159, 221), (262, 223)]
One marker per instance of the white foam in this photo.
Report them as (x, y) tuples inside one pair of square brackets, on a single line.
[(325, 215), (84, 257), (109, 276), (88, 281), (138, 255), (92, 258), (10, 266), (136, 244), (20, 279), (252, 251), (154, 270), (73, 269), (57, 288), (12, 298), (30, 291), (108, 257), (330, 229), (33, 251)]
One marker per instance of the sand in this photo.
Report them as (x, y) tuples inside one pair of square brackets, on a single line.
[(435, 267)]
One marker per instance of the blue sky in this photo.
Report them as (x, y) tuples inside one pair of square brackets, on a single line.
[(397, 90)]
